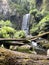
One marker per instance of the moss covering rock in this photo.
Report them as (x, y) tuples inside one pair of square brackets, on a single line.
[(19, 34), (24, 48)]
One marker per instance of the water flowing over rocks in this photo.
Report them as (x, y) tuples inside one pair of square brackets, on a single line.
[(25, 23)]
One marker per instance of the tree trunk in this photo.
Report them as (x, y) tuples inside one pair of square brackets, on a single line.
[(8, 57)]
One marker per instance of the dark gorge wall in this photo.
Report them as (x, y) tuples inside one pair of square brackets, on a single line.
[(4, 9), (42, 5), (39, 4)]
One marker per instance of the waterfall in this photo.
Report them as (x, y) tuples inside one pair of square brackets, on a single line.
[(25, 23)]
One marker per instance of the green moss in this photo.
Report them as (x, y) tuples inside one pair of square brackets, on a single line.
[(45, 19), (42, 26), (34, 11), (5, 23), (34, 30), (19, 34), (6, 32), (25, 50), (46, 45)]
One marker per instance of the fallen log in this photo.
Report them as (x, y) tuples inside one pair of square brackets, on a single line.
[(8, 57), (12, 39), (20, 41), (39, 35), (12, 43)]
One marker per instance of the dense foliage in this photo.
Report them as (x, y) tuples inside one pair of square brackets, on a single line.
[(22, 6), (5, 23), (42, 26), (6, 31), (28, 6)]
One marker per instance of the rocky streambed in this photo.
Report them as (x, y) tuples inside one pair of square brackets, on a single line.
[(22, 53)]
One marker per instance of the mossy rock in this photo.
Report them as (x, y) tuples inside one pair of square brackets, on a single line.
[(44, 44), (14, 48), (24, 48)]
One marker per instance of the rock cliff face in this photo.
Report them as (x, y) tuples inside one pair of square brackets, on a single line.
[(39, 4), (4, 9), (42, 4), (46, 5)]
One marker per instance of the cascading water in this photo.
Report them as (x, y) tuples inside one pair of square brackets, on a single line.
[(25, 23)]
